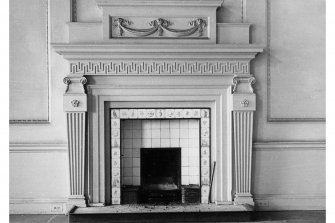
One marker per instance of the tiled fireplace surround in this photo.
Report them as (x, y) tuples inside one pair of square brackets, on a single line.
[(160, 128), (147, 81)]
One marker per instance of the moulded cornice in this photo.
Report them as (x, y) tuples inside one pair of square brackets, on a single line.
[(157, 51), (200, 3)]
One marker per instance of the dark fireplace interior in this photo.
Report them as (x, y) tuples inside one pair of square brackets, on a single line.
[(161, 175)]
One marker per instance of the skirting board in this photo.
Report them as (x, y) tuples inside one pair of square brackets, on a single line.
[(37, 206), (278, 202)]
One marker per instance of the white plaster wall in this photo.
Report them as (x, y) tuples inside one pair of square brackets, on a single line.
[(288, 167)]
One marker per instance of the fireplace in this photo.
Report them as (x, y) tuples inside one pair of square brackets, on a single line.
[(130, 73), (160, 175)]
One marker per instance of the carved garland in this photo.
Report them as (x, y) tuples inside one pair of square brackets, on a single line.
[(159, 25)]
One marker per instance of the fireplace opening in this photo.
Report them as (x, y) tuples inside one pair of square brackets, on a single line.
[(161, 175)]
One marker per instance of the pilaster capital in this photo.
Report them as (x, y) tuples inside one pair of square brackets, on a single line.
[(75, 98), (243, 84), (243, 97)]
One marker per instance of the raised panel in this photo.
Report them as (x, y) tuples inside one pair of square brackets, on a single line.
[(29, 77), (296, 63)]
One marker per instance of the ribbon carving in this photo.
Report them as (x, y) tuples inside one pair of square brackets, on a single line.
[(159, 25)]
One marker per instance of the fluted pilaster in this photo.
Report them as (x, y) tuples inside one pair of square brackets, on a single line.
[(244, 105), (75, 106)]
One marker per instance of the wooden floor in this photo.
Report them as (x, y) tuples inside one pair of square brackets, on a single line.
[(264, 217)]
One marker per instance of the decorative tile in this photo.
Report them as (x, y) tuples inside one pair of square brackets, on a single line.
[(115, 123), (160, 113), (204, 113), (204, 122), (116, 172), (115, 113), (115, 152), (205, 162), (178, 113), (116, 143), (151, 113), (115, 182), (115, 133), (186, 113), (205, 180), (141, 113), (116, 201), (204, 191), (124, 113), (204, 151), (205, 132), (116, 163), (169, 113), (132, 113), (204, 141), (205, 171), (116, 192), (196, 113)]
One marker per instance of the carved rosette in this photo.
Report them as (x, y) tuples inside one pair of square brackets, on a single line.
[(75, 106), (244, 105)]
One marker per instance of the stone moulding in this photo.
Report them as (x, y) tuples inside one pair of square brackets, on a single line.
[(104, 3), (159, 25), (161, 59)]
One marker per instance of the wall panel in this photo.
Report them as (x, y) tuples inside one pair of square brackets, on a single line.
[(296, 60), (29, 76)]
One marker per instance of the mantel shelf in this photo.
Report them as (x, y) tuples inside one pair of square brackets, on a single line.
[(147, 51)]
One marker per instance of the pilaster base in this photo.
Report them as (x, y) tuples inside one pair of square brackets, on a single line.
[(244, 199), (78, 201)]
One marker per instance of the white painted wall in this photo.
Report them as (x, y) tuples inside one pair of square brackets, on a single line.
[(289, 161)]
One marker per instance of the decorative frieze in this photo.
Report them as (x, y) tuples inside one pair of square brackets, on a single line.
[(159, 27), (160, 67)]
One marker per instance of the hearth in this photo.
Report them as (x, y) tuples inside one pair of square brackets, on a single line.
[(161, 175)]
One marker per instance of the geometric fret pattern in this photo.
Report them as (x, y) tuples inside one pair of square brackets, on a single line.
[(159, 68), (118, 114)]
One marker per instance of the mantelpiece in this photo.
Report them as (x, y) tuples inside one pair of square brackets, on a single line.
[(133, 72)]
